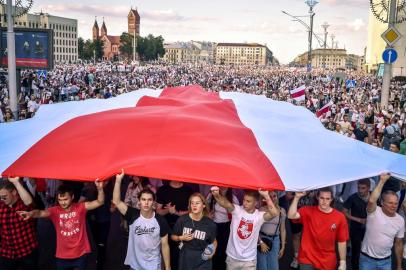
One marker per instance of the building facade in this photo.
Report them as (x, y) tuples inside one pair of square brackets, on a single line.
[(111, 44), (65, 32), (197, 52), (243, 54), (376, 45), (330, 59)]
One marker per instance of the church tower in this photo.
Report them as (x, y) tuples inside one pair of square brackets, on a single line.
[(95, 29), (103, 30), (134, 21)]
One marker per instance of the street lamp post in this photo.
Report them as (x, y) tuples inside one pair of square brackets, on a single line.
[(311, 4), (11, 58)]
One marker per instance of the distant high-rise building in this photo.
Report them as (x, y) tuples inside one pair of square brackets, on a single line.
[(65, 32), (330, 59), (189, 52), (243, 54)]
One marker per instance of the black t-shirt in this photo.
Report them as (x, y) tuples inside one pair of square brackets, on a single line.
[(204, 231), (360, 135), (177, 196), (358, 209)]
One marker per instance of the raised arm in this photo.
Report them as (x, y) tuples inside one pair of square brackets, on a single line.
[(221, 200), (272, 210), (24, 194), (121, 206), (100, 197), (292, 212), (371, 207)]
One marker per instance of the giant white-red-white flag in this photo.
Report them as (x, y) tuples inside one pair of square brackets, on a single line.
[(298, 94), (324, 109), (187, 134)]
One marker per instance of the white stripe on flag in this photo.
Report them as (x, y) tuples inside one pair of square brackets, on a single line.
[(298, 94), (324, 109)]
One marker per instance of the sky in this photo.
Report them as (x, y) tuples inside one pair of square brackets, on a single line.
[(259, 21)]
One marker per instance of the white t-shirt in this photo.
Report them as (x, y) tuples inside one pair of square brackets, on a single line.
[(242, 243), (380, 233), (144, 240)]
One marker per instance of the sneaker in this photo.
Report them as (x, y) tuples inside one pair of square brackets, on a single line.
[(294, 263)]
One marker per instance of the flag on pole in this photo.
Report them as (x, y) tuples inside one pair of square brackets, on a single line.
[(324, 109), (298, 94)]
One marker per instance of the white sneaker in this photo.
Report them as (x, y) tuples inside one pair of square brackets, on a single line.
[(294, 263)]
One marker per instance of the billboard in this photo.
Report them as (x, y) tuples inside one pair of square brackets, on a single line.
[(34, 48)]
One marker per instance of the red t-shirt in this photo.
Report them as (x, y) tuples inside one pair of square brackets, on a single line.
[(71, 235), (321, 231)]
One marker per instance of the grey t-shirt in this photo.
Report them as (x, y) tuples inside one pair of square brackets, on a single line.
[(144, 240)]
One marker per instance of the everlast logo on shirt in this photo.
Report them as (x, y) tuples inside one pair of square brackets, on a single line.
[(196, 234), (143, 230), (245, 228)]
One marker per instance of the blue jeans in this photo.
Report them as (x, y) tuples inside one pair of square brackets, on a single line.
[(366, 263), (270, 259)]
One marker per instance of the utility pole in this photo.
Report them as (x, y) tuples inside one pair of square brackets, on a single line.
[(311, 4), (387, 74), (11, 57), (325, 26), (134, 45)]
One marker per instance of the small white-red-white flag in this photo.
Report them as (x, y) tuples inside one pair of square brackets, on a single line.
[(324, 109), (298, 94)]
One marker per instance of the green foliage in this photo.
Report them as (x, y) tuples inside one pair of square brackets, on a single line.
[(150, 47), (88, 49)]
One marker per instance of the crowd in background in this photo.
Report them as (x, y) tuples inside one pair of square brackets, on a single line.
[(355, 112)]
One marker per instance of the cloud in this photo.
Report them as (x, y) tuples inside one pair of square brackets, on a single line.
[(357, 24), (348, 3), (117, 11)]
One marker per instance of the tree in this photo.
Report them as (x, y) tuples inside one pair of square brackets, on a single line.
[(87, 49), (126, 47), (98, 46), (81, 44), (150, 47)]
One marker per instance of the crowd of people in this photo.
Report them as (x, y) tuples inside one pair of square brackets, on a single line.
[(175, 225)]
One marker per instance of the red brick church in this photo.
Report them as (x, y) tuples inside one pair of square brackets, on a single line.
[(112, 43)]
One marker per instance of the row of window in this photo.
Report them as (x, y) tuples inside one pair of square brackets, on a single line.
[(66, 42), (65, 50), (65, 35), (59, 58)]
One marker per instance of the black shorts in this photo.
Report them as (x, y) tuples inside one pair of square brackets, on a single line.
[(296, 227)]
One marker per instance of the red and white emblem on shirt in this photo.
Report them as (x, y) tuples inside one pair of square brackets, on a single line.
[(245, 228)]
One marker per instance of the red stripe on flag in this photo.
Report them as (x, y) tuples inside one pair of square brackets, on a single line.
[(324, 109), (186, 134), (298, 94)]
